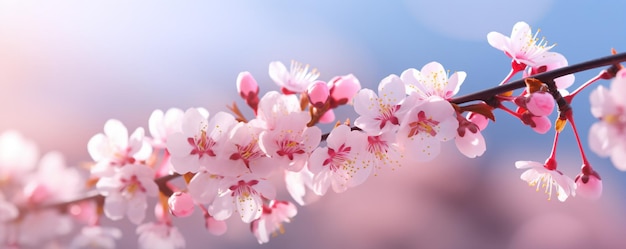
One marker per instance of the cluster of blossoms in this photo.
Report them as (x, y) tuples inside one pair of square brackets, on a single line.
[(230, 163)]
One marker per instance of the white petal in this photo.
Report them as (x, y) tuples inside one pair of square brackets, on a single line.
[(117, 133)]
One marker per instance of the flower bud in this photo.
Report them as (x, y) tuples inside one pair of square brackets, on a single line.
[(540, 103), (246, 85), (181, 204), (318, 94), (480, 120), (343, 88), (542, 124), (588, 186)]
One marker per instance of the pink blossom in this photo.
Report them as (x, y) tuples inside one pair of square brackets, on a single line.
[(297, 184), (247, 85), (181, 204), (96, 237), (318, 93), (607, 137), (243, 154), (424, 127), (294, 80), (469, 139), (274, 105), (159, 235), (343, 88), (432, 80), (291, 142), (162, 125), (53, 181), (383, 152), (204, 186), (380, 114), (18, 156), (553, 61), (115, 148), (244, 195), (200, 141), (522, 46), (340, 163), (539, 176), (271, 221), (126, 192), (588, 186), (539, 103)]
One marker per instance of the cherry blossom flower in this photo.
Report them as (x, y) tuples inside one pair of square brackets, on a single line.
[(383, 153), (555, 61), (126, 192), (469, 139), (53, 181), (291, 142), (244, 195), (162, 125), (274, 105), (294, 80), (271, 221), (607, 137), (204, 186), (96, 237), (115, 148), (200, 141), (243, 154), (18, 157), (551, 180), (297, 184), (40, 226), (215, 227), (380, 114), (424, 127), (159, 235), (522, 46), (432, 80), (340, 164)]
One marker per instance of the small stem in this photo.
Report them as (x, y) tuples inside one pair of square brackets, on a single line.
[(570, 117), (586, 84), (509, 111), (509, 76)]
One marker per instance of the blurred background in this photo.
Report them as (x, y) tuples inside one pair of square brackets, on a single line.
[(68, 66)]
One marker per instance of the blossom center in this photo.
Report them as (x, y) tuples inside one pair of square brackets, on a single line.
[(202, 145), (288, 148), (377, 147), (132, 185), (337, 157), (247, 153), (387, 114), (423, 124)]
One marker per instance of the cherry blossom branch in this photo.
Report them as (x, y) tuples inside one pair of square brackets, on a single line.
[(485, 95)]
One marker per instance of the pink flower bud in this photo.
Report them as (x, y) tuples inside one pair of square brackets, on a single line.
[(318, 93), (588, 186), (181, 204), (343, 89), (542, 124), (246, 85), (478, 119), (328, 117), (540, 103), (215, 227)]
